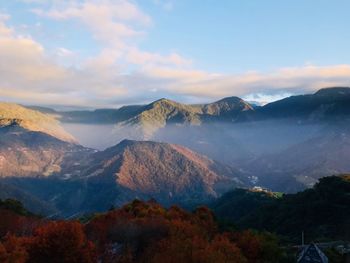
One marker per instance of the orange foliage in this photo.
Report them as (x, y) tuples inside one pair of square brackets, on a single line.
[(250, 245), (138, 232), (61, 242), (187, 244), (13, 249), (221, 249), (16, 224)]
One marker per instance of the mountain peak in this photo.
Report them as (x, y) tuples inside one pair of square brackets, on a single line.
[(232, 106), (333, 91), (162, 170), (232, 99), (163, 101), (126, 142), (122, 145), (165, 105)]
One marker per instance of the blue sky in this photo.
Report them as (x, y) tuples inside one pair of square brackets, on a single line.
[(236, 36), (109, 53)]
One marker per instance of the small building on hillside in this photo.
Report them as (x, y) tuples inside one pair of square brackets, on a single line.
[(312, 254)]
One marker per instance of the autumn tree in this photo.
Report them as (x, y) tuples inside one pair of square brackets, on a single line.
[(14, 249), (258, 247), (61, 242)]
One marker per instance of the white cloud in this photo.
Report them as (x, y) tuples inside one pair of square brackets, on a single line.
[(4, 30), (297, 79), (29, 75), (63, 52), (116, 24), (124, 73), (33, 1), (110, 21), (136, 56), (263, 98)]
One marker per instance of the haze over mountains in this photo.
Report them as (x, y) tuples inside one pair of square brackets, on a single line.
[(129, 170), (198, 151), (239, 134), (322, 104), (69, 178)]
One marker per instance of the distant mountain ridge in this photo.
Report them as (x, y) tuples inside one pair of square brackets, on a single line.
[(224, 106), (32, 120), (143, 122), (285, 145), (250, 138), (324, 104), (327, 101)]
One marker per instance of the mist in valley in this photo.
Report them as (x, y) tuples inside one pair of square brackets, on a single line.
[(282, 155), (237, 142), (95, 136), (225, 142)]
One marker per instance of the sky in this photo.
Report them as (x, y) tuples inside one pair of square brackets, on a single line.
[(109, 53)]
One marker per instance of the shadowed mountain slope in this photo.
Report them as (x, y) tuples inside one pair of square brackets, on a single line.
[(31, 202), (31, 153), (302, 164), (324, 104)]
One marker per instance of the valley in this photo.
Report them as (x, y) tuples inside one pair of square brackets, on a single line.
[(174, 153)]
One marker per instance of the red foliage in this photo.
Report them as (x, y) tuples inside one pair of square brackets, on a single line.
[(138, 232), (14, 249), (16, 224), (250, 245), (61, 242)]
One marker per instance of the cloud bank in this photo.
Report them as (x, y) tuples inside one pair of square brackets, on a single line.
[(123, 73)]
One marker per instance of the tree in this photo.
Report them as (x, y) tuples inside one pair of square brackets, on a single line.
[(258, 247), (13, 249), (61, 242)]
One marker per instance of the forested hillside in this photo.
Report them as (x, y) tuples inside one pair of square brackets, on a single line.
[(137, 232), (322, 212)]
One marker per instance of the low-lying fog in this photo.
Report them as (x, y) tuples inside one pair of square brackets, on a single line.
[(281, 155), (224, 142), (93, 136)]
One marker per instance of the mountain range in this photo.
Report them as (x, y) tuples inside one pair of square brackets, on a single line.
[(63, 177), (79, 161), (323, 104)]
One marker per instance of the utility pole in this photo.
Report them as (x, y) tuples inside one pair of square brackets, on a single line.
[(302, 238)]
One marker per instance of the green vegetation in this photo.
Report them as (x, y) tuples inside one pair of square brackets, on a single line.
[(14, 206), (323, 212), (239, 203)]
